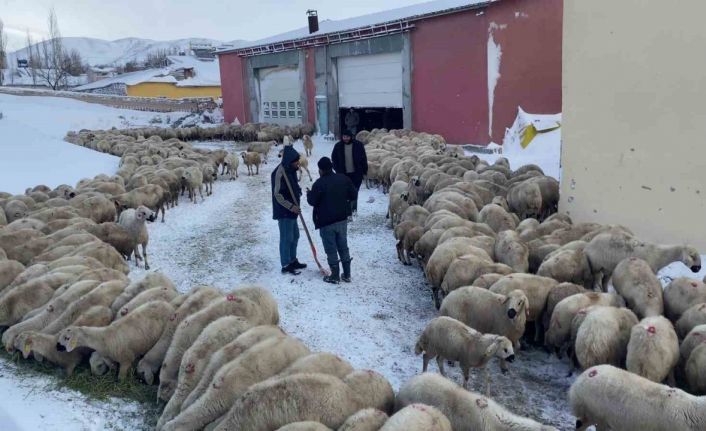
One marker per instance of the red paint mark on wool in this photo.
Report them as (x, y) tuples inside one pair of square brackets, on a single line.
[(651, 329), (593, 373)]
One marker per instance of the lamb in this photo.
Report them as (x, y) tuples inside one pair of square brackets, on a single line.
[(681, 294), (193, 179), (467, 411), (152, 361), (536, 289), (164, 293), (44, 345), (258, 363), (237, 303), (418, 417), (308, 145), (123, 340), (195, 360), (653, 350), (209, 176), (364, 420), (695, 370), (644, 405), (133, 220), (634, 280), (262, 148), (603, 336), (319, 397), (149, 281), (511, 251), (103, 294), (488, 312), (464, 270), (692, 317), (606, 250), (232, 163), (251, 159), (447, 338)]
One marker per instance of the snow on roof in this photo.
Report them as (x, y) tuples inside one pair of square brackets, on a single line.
[(206, 74), (333, 26)]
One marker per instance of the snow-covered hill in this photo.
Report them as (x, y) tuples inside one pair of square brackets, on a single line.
[(118, 52)]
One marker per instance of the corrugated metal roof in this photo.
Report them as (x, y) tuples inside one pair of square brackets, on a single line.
[(413, 12)]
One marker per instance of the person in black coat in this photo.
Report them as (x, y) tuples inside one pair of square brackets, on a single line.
[(349, 159), (285, 209), (331, 197)]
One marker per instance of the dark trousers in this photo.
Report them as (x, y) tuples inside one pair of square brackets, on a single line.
[(288, 240), (357, 180), (335, 240)]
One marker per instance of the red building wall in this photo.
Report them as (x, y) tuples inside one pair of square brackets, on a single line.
[(233, 88), (450, 69)]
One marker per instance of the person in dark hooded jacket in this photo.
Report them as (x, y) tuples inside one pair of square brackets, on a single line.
[(285, 209), (349, 159), (331, 197)]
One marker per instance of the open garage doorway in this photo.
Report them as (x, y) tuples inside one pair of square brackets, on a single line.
[(371, 118)]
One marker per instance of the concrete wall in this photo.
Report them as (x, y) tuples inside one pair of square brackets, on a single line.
[(171, 91), (633, 132)]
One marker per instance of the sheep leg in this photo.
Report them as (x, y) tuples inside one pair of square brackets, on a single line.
[(299, 174), (308, 173), (200, 194), (398, 247), (258, 168), (425, 361), (466, 376), (122, 372), (144, 254), (138, 257), (440, 363), (671, 381)]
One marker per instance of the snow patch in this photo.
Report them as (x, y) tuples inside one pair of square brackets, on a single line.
[(494, 56)]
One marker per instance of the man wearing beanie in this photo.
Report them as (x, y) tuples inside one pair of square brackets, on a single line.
[(285, 209), (331, 197), (349, 159)]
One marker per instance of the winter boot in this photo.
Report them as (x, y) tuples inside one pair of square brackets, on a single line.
[(334, 278), (298, 265), (346, 270)]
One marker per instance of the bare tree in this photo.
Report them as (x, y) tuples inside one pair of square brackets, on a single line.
[(33, 61), (3, 51), (76, 65), (54, 68)]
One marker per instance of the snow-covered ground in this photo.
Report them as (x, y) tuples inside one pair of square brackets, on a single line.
[(231, 239), (32, 146)]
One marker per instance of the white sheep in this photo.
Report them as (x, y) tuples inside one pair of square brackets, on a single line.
[(696, 370), (250, 160), (464, 270), (603, 336), (228, 353), (123, 340), (308, 145), (44, 346), (318, 397), (536, 289), (691, 318), (193, 179), (364, 420), (488, 312), (258, 363), (512, 251), (606, 250), (447, 338), (559, 331), (653, 350), (681, 294), (418, 417), (634, 280), (613, 399), (149, 281), (467, 411), (692, 340), (195, 360), (164, 293), (304, 426), (232, 163)]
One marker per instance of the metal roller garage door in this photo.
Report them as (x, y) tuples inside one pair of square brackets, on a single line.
[(370, 81), (280, 95)]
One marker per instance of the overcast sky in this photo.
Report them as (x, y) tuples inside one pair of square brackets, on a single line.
[(224, 20)]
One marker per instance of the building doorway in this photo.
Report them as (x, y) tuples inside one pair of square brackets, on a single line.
[(372, 118)]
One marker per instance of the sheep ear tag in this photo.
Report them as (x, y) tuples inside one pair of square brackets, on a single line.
[(72, 344), (26, 348)]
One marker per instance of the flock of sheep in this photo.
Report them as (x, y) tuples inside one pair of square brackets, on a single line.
[(503, 264), (498, 257)]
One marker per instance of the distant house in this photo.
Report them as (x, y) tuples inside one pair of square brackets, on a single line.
[(460, 68), (184, 77), (97, 73)]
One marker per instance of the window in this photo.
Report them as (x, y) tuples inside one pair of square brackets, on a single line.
[(266, 109), (274, 110), (299, 109), (291, 105), (282, 109)]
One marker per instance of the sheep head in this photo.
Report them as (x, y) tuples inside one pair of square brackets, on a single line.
[(68, 339), (501, 347), (516, 303), (691, 258)]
